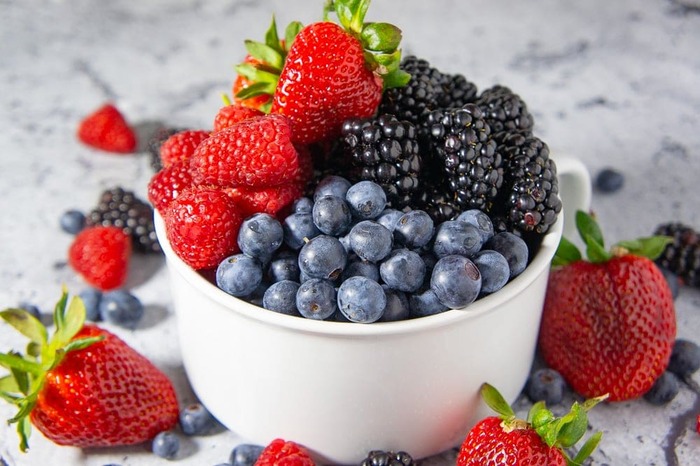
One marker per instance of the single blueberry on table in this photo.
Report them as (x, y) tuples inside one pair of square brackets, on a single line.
[(245, 454), (239, 275), (331, 215), (414, 229), (513, 248), (546, 385), (166, 445), (322, 257), (479, 219), (370, 240), (403, 270), (316, 299), (609, 180), (298, 228), (425, 304), (332, 185), (366, 200), (282, 297), (685, 358), (260, 235), (361, 300), (456, 281), (121, 308), (397, 307), (91, 299), (195, 419), (664, 390), (494, 270), (455, 237), (72, 221)]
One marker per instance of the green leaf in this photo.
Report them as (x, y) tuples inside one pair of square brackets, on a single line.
[(358, 17), (587, 448), (256, 75), (8, 384), (266, 54), (388, 62), (24, 429), (495, 401), (567, 253), (650, 247), (256, 89), (26, 324), (73, 321), (381, 37), (344, 10), (396, 78), (14, 361), (60, 309), (82, 343), (588, 227), (290, 33), (595, 251), (22, 380), (271, 38), (573, 431)]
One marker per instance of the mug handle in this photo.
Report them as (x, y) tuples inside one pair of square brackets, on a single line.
[(574, 190)]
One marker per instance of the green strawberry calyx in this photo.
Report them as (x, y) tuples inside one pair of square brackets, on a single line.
[(22, 385), (560, 432), (650, 247)]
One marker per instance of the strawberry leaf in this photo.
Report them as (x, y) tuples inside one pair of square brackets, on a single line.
[(8, 385), (26, 324), (495, 401), (14, 361), (290, 33), (24, 429), (396, 78), (255, 90), (263, 52), (595, 251), (589, 228), (587, 448), (650, 247), (81, 343), (381, 37), (256, 75), (72, 320), (573, 431), (567, 253), (272, 40)]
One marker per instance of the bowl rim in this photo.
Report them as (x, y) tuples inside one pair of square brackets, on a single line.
[(481, 306)]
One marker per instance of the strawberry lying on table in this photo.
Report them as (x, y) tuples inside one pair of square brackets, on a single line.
[(84, 386)]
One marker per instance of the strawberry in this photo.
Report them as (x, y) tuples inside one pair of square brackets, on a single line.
[(106, 129), (257, 152), (608, 324), (331, 72), (168, 183), (181, 145), (242, 84), (541, 440), (84, 386), (101, 256), (230, 114), (202, 226), (284, 453)]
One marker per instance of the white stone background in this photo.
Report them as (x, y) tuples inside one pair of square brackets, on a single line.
[(614, 83)]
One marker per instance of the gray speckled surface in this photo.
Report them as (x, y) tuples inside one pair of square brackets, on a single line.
[(614, 83)]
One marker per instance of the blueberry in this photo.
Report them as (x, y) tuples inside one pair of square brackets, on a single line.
[(322, 257), (609, 180), (403, 270), (674, 282), (513, 248), (239, 275), (685, 358), (166, 445), (664, 389), (91, 299), (245, 454), (361, 299), (366, 200), (332, 185), (414, 229), (361, 268), (331, 215), (303, 205), (298, 228), (260, 235), (195, 419), (282, 297), (480, 220), (545, 385), (389, 217), (316, 299), (72, 221), (456, 281), (494, 270), (370, 240), (425, 304), (121, 308), (397, 307), (454, 237), (283, 266)]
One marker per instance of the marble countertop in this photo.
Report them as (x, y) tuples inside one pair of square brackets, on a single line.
[(613, 83)]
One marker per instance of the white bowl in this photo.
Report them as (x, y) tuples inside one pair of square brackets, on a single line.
[(342, 389)]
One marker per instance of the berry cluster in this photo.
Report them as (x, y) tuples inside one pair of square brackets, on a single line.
[(344, 255)]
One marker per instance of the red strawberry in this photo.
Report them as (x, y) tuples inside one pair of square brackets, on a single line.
[(168, 183), (269, 200), (202, 227), (106, 129), (284, 453), (229, 115), (101, 256), (89, 388), (608, 324), (539, 441), (257, 152), (181, 145)]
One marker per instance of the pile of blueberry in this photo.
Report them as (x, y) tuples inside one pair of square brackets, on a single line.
[(345, 256)]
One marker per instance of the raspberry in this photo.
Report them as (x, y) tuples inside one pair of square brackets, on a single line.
[(181, 145), (101, 256), (257, 152), (169, 183), (202, 227), (229, 115), (284, 453), (106, 129), (268, 200)]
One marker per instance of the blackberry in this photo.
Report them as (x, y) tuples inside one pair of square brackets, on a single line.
[(387, 458), (682, 256), (123, 209), (386, 151), (436, 203), (529, 200), (505, 111), (155, 141), (459, 141), (428, 89)]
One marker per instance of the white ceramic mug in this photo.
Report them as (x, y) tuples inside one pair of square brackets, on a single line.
[(343, 389)]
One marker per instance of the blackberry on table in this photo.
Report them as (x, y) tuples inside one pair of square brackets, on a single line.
[(384, 150), (682, 256), (121, 208), (504, 110), (387, 458)]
